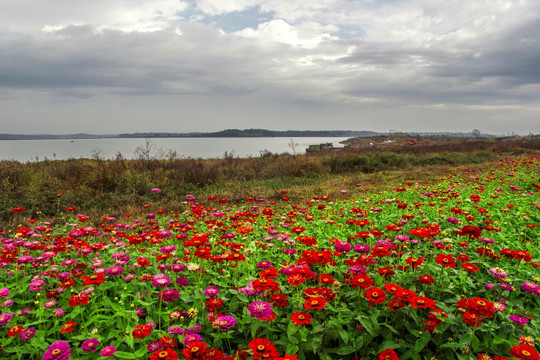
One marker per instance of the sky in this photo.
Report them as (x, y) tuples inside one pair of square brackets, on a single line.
[(124, 66)]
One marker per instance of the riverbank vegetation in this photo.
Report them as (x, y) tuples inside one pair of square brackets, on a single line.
[(118, 186)]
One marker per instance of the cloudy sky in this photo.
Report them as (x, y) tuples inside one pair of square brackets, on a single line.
[(112, 66)]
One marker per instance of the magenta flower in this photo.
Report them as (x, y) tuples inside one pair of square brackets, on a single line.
[(343, 246), (108, 351), (169, 295), (518, 320), (161, 280), (27, 334), (211, 291), (4, 293), (155, 190), (58, 350), (90, 345), (225, 322), (5, 318), (260, 309)]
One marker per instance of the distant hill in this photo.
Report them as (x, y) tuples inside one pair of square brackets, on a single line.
[(232, 133)]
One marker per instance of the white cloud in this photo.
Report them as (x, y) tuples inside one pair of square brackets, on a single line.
[(307, 35), (220, 7)]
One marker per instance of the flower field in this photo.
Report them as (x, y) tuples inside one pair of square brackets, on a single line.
[(446, 270)]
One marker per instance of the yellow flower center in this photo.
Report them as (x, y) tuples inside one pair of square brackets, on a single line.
[(194, 349), (260, 347), (525, 353), (163, 354), (56, 351)]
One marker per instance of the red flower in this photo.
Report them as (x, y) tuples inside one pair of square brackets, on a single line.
[(446, 260), (469, 230), (326, 279), (279, 300), (15, 330), (426, 279), (68, 327), (80, 299), (375, 295), (423, 302), (388, 354), (295, 279), (265, 284), (262, 349), (393, 288), (315, 303), (298, 230), (167, 354), (524, 351), (301, 318), (95, 279), (195, 350), (395, 304), (361, 281), (472, 319), (141, 331), (414, 262)]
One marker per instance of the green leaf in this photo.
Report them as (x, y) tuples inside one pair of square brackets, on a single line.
[(345, 350), (422, 342), (292, 349), (125, 355), (344, 335)]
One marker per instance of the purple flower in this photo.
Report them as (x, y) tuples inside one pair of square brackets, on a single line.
[(182, 281), (155, 190), (90, 345), (402, 238), (260, 309), (225, 322), (506, 287), (4, 293), (211, 291), (150, 216), (108, 351), (168, 249), (343, 246), (58, 350), (169, 295), (174, 330), (5, 318), (361, 248), (498, 273), (58, 313), (115, 270), (161, 280), (191, 338), (154, 346), (265, 264), (27, 334), (518, 320), (453, 220), (530, 288), (499, 307)]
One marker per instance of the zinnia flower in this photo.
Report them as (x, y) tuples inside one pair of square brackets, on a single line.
[(260, 309), (90, 345), (58, 350), (108, 351)]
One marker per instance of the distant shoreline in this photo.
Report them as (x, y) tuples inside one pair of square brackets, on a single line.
[(231, 133)]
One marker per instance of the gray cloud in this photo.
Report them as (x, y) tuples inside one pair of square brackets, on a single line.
[(269, 64)]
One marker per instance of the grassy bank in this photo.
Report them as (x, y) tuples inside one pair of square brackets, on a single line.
[(96, 186)]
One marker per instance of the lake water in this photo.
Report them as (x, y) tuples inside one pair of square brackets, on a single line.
[(205, 148)]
